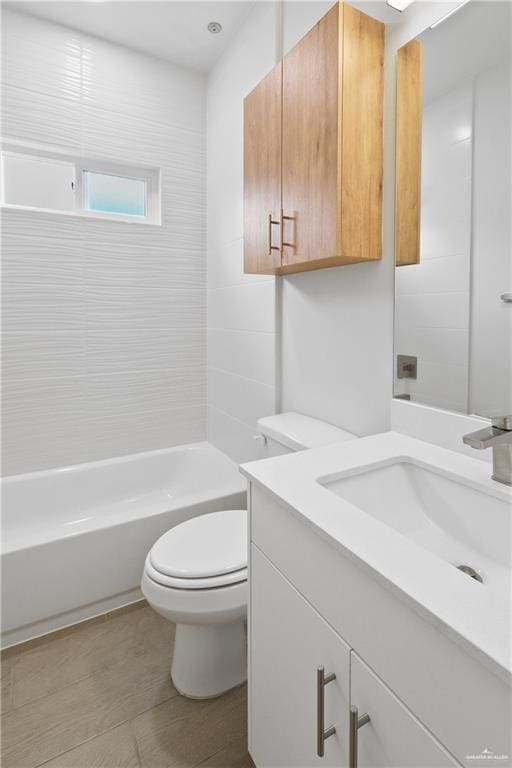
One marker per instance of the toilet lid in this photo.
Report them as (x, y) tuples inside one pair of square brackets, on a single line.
[(206, 546)]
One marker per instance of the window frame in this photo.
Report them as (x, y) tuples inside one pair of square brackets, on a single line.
[(150, 175)]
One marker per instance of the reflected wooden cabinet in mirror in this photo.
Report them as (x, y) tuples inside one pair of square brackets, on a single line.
[(313, 151), (409, 108)]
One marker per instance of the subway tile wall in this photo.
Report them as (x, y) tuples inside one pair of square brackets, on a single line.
[(433, 297), (104, 323), (241, 308)]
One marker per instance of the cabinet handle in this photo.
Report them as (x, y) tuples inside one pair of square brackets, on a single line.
[(321, 732), (355, 723), (270, 246), (284, 218)]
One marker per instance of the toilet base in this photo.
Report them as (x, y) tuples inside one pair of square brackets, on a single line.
[(209, 659)]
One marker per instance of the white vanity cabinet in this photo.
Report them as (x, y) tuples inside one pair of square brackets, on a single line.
[(289, 642), (430, 703)]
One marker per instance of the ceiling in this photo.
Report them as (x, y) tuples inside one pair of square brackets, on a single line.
[(174, 30), (467, 43)]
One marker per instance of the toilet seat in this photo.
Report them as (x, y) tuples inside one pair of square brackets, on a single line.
[(206, 552), (212, 582)]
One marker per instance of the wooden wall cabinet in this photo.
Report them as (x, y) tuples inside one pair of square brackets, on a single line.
[(313, 151)]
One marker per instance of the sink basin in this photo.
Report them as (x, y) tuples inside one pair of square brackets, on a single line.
[(458, 523)]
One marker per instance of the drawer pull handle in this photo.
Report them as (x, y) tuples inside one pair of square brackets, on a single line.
[(322, 734), (355, 723)]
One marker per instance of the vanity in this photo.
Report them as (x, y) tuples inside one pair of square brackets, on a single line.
[(359, 614)]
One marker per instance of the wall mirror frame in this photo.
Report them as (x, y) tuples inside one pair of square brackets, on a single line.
[(453, 243)]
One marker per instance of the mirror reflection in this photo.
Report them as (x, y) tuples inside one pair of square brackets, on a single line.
[(453, 310)]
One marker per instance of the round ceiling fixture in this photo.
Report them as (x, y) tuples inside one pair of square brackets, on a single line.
[(214, 27)]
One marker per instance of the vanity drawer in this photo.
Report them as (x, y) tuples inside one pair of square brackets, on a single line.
[(393, 738), (466, 705)]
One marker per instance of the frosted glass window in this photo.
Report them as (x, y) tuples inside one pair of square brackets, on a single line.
[(38, 182), (107, 193)]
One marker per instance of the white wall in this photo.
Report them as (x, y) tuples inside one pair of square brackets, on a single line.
[(103, 322), (241, 308)]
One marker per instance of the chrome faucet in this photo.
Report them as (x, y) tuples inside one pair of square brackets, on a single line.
[(498, 437)]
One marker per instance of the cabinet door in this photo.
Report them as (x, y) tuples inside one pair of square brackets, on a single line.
[(310, 144), (262, 175), (393, 738), (288, 642)]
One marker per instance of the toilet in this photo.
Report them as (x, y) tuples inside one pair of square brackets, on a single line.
[(196, 575)]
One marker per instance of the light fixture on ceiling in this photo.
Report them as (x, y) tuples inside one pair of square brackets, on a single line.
[(450, 13), (214, 27), (399, 5)]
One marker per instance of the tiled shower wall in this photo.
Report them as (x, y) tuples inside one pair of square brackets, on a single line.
[(104, 323), (241, 313)]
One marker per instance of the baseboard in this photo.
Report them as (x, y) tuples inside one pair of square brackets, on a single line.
[(65, 623)]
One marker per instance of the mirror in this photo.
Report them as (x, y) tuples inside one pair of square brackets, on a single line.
[(453, 287)]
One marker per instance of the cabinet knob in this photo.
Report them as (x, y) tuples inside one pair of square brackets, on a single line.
[(355, 723), (322, 733)]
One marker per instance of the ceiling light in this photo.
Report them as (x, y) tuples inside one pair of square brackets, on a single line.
[(400, 5), (450, 13), (214, 27)]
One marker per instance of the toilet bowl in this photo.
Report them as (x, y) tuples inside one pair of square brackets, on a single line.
[(196, 576)]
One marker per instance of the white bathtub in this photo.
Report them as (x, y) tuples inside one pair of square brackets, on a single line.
[(74, 539)]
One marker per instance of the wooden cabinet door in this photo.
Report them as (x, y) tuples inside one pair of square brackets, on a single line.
[(393, 738), (288, 642), (310, 143), (262, 175)]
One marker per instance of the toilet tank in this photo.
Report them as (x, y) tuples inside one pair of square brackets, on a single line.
[(290, 432)]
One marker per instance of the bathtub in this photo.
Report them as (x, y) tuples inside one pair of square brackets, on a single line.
[(74, 538)]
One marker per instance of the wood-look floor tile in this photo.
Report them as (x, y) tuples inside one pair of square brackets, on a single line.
[(6, 685), (65, 660), (53, 724), (183, 733), (114, 749), (233, 756)]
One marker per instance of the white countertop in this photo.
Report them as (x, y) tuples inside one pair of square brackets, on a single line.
[(460, 607)]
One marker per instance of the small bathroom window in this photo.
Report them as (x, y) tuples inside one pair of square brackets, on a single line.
[(107, 193), (89, 187)]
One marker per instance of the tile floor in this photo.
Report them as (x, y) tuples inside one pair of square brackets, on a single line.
[(100, 696)]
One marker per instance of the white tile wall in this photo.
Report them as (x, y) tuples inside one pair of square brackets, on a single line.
[(432, 297), (241, 308), (104, 323)]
